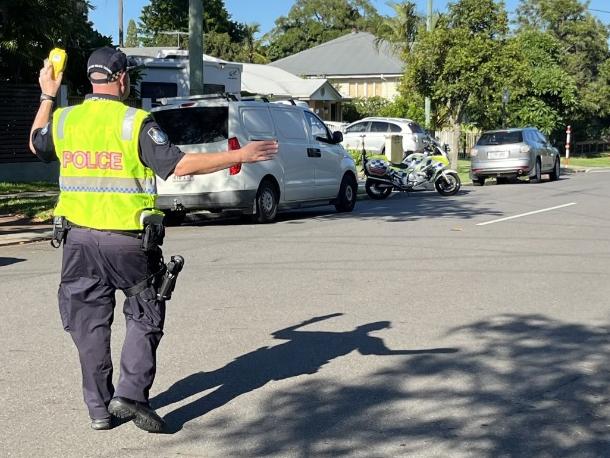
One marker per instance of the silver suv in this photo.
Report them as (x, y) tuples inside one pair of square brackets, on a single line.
[(510, 153)]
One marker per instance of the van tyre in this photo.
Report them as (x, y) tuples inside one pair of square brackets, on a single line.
[(478, 181), (174, 217), (554, 175), (266, 203), (348, 192)]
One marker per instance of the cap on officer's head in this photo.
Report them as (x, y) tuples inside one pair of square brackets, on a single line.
[(109, 62)]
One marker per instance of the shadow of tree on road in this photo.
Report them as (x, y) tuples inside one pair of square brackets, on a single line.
[(528, 386), (398, 207)]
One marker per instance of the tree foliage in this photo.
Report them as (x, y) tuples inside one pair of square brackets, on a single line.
[(583, 54), (222, 35), (131, 41), (31, 28), (400, 30), (312, 22)]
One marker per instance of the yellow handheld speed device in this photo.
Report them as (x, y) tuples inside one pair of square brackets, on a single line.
[(58, 58)]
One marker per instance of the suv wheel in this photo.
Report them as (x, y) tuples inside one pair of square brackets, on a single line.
[(266, 203), (538, 171), (348, 192), (554, 175)]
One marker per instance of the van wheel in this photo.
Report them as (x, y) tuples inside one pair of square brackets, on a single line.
[(174, 217), (478, 181), (266, 203), (348, 192)]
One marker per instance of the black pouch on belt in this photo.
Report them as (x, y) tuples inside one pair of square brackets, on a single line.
[(60, 231), (154, 231)]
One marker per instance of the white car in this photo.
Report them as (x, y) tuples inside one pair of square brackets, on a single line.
[(374, 131), (311, 167)]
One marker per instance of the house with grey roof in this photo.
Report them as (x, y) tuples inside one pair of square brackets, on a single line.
[(321, 97), (353, 63), (165, 74)]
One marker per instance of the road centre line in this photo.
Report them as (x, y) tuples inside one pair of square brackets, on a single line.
[(526, 214)]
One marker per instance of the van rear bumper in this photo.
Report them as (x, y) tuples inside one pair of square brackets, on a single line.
[(224, 200)]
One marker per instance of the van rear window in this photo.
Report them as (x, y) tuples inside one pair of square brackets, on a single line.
[(500, 138), (193, 126)]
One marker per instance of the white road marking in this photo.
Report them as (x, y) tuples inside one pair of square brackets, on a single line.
[(598, 171), (526, 214)]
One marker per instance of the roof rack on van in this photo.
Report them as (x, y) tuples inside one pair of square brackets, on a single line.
[(220, 95), (263, 98)]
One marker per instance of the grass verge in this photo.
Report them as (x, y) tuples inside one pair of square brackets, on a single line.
[(601, 161), (15, 201)]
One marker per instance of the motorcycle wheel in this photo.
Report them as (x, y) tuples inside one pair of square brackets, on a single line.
[(375, 191), (448, 185)]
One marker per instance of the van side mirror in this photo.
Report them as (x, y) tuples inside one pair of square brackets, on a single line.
[(337, 137)]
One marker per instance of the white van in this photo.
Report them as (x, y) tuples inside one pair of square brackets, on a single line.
[(310, 169)]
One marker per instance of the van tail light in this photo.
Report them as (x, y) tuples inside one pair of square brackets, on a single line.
[(524, 150), (234, 145), (474, 152)]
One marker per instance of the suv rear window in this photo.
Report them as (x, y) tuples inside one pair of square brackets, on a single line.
[(500, 138), (193, 126)]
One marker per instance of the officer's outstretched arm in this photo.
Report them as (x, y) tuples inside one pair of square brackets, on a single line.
[(198, 164), (48, 86)]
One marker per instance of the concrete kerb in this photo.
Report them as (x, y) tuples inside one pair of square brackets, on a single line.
[(16, 231)]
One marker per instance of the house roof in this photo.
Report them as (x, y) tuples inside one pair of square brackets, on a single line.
[(351, 54), (263, 79)]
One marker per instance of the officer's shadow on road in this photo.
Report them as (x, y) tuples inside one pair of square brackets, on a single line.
[(304, 353)]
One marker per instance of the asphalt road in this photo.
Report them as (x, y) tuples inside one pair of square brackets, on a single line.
[(406, 328)]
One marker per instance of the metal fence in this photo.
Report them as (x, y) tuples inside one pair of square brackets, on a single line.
[(462, 142), (18, 106)]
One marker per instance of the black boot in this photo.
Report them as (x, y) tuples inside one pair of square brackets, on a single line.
[(100, 424), (141, 413)]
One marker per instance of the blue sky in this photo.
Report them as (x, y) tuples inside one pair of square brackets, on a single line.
[(105, 16)]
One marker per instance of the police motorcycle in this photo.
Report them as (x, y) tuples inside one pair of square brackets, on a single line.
[(416, 172)]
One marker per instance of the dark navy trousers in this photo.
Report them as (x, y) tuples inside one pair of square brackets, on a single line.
[(95, 264)]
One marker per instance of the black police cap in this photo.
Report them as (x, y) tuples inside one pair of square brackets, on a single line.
[(108, 61)]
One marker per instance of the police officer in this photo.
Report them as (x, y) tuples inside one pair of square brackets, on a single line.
[(109, 155)]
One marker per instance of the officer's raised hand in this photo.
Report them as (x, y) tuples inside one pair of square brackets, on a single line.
[(49, 85), (263, 150)]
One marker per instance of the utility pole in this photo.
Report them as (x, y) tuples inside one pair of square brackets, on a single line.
[(427, 107), (196, 47), (121, 23)]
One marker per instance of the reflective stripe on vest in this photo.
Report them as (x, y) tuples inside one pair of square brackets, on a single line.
[(99, 184), (103, 183)]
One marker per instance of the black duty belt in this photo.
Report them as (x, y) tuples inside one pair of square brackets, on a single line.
[(135, 234)]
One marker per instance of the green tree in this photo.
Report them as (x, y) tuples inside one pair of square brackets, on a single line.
[(312, 22), (543, 93), (252, 50), (131, 41), (25, 43), (172, 15), (400, 30), (457, 63), (583, 51)]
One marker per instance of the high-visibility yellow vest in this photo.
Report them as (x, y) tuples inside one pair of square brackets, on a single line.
[(103, 184)]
